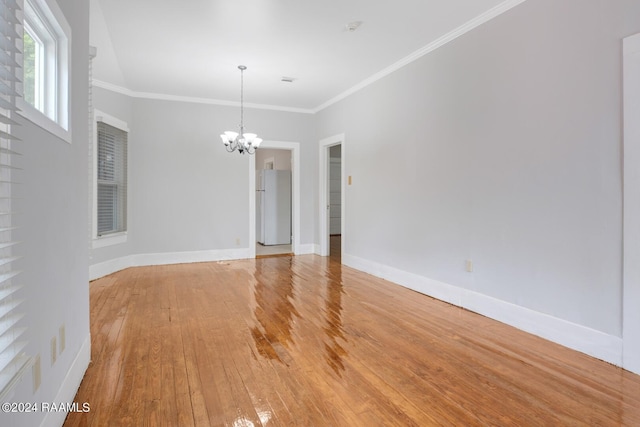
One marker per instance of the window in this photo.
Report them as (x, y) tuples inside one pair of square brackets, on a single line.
[(45, 66), (111, 177), (33, 57)]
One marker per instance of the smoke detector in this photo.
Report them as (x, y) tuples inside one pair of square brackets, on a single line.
[(352, 26)]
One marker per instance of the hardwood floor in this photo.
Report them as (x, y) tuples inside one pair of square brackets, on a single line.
[(305, 341)]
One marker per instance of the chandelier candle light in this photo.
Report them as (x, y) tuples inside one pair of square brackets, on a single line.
[(243, 142)]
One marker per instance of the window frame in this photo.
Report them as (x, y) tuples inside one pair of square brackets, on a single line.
[(45, 20), (115, 238)]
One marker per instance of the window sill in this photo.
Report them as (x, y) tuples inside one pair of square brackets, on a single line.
[(39, 119), (109, 240)]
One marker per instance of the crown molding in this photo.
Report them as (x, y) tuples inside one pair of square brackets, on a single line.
[(209, 101), (450, 36), (112, 87)]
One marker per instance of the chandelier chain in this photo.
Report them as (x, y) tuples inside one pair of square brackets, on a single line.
[(243, 142), (241, 99)]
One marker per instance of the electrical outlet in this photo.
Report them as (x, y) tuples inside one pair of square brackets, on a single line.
[(37, 373), (63, 338), (54, 350), (238, 242), (469, 266)]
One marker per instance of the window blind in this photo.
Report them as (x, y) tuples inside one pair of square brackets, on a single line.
[(13, 361), (112, 179)]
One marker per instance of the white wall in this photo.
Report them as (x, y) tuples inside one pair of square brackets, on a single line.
[(54, 241), (106, 66), (510, 157), (188, 193)]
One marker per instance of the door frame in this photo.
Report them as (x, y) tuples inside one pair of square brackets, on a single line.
[(323, 212), (294, 147), (631, 215)]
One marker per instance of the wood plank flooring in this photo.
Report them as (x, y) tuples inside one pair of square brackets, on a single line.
[(305, 341)]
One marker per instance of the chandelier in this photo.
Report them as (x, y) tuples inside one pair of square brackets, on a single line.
[(243, 142)]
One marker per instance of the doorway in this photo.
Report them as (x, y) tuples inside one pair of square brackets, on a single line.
[(275, 155), (273, 202), (332, 196), (335, 201)]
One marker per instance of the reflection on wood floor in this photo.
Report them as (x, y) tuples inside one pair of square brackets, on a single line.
[(335, 248), (306, 341)]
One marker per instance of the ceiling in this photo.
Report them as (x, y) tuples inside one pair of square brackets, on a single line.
[(192, 48)]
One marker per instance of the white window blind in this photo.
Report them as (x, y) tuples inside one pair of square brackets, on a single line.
[(12, 359), (112, 179)]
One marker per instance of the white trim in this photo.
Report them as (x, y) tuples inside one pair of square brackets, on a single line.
[(108, 240), (192, 256), (117, 238), (113, 88), (70, 385), (59, 125), (38, 118), (592, 342), (100, 116), (439, 42), (107, 267), (209, 101), (323, 215), (252, 207), (307, 248), (295, 192), (631, 216)]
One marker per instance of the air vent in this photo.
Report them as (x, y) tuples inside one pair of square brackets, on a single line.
[(352, 26)]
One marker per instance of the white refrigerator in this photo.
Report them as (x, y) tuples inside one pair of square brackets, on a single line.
[(273, 207)]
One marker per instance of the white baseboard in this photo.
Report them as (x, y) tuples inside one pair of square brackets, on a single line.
[(306, 249), (107, 267), (70, 385), (189, 257), (586, 340)]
